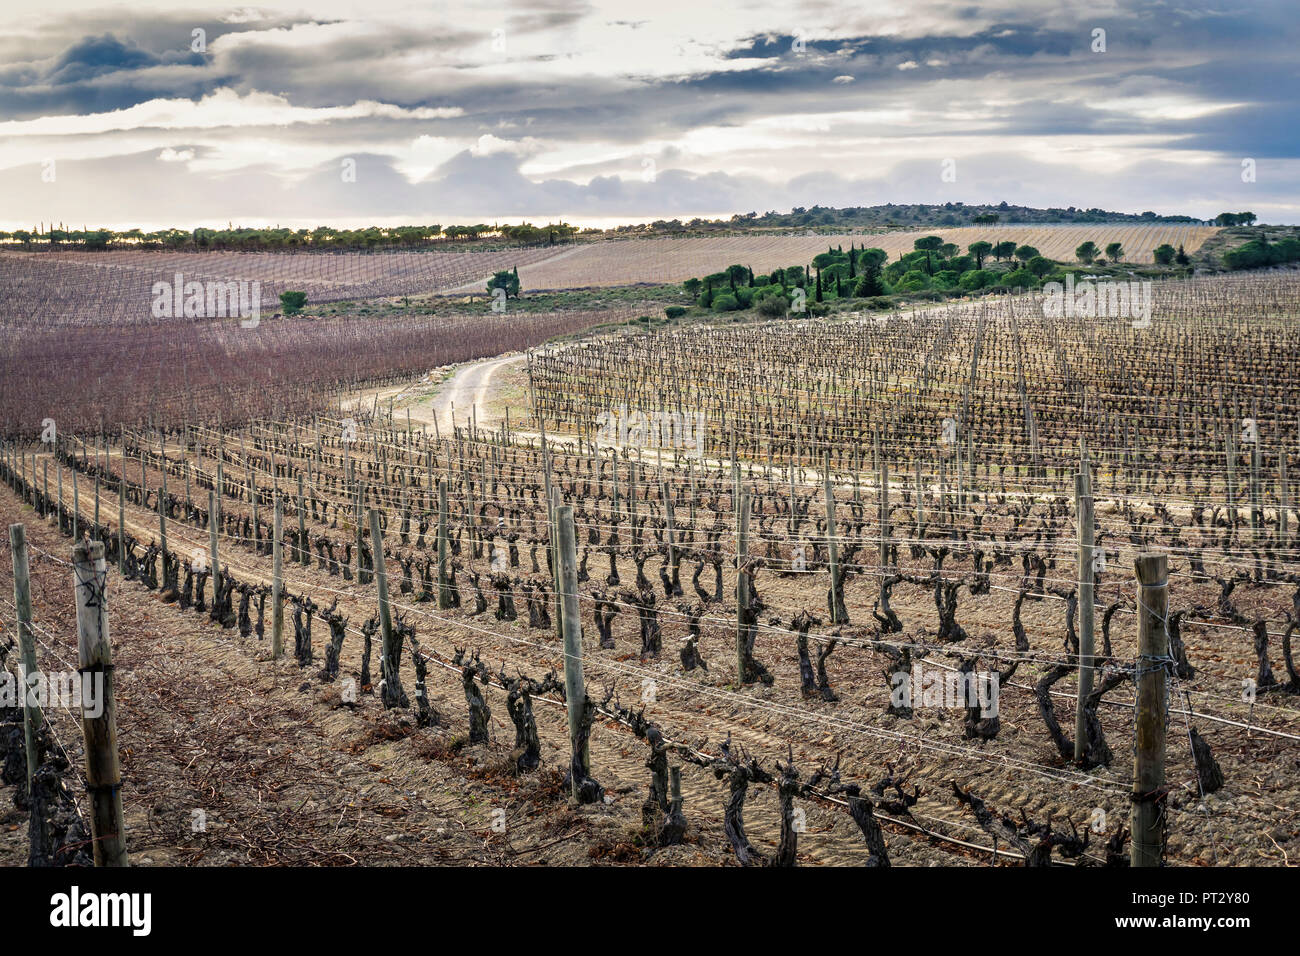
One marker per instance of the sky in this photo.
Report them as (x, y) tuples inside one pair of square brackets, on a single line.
[(348, 113)]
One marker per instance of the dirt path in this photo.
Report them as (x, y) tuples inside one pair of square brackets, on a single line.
[(471, 388)]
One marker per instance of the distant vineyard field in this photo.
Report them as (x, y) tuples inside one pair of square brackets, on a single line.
[(87, 288), (76, 288), (632, 261)]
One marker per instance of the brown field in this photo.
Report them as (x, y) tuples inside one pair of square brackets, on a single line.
[(661, 261)]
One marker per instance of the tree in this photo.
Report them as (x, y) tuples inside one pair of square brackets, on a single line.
[(872, 257), (913, 281), (1086, 252), (979, 250), (291, 303), (1163, 254), (1039, 265), (1180, 257), (870, 283), (1025, 253), (1004, 250), (1020, 278), (692, 287), (1114, 251), (505, 279), (928, 244)]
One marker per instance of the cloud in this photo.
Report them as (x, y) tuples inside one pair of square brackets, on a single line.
[(735, 113), (223, 109)]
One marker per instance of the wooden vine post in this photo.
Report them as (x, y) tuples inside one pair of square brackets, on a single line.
[(1149, 794), (1283, 498), (121, 520), (1084, 511), (574, 689), (32, 716), (444, 593), (99, 715), (277, 581), (162, 505), (832, 549), (884, 524), (304, 553), (742, 586), (670, 531), (392, 651), (213, 517)]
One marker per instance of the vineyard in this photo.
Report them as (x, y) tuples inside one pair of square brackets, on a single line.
[(626, 262), (85, 288), (638, 649)]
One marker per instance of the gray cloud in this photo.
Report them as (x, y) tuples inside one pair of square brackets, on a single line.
[(996, 87)]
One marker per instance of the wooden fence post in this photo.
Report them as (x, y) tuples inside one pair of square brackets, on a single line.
[(574, 688), (32, 716), (1148, 801), (103, 773)]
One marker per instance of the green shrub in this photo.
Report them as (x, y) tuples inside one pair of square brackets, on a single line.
[(725, 303), (913, 281), (1021, 277), (773, 306), (674, 311), (291, 303)]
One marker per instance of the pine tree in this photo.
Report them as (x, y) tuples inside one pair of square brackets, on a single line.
[(870, 284)]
